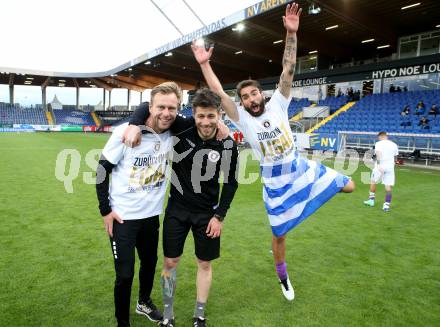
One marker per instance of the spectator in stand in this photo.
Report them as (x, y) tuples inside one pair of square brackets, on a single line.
[(392, 88), (405, 121), (405, 89), (350, 94), (424, 123), (319, 93), (398, 89), (405, 111), (339, 93), (420, 109), (434, 110)]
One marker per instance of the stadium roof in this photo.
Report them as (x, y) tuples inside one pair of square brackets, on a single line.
[(250, 52), (83, 37)]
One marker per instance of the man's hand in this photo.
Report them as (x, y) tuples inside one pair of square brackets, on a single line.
[(132, 136), (291, 19), (200, 53), (222, 131), (214, 228), (108, 222)]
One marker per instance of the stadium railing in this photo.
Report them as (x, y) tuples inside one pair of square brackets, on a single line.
[(428, 145)]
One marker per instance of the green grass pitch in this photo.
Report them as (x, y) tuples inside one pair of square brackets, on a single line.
[(350, 265)]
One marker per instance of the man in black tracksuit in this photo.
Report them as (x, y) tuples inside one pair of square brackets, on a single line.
[(194, 201), (131, 204)]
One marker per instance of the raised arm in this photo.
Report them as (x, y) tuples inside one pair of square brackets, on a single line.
[(202, 56), (291, 23)]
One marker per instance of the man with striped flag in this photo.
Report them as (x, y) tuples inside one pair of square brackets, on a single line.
[(294, 187)]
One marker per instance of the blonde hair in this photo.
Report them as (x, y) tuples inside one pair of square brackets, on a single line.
[(167, 88)]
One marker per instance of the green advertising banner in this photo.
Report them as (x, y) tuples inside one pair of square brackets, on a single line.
[(71, 128)]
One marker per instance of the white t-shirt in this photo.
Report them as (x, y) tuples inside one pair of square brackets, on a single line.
[(388, 150), (138, 183), (269, 135)]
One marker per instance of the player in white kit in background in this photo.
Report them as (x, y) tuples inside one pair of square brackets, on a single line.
[(383, 171), (294, 187)]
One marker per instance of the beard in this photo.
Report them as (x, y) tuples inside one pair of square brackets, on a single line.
[(207, 132), (252, 109)]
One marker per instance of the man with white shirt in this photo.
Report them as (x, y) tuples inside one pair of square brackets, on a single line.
[(195, 202), (132, 204), (293, 187), (385, 151)]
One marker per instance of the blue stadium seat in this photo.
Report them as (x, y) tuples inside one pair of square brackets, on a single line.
[(14, 114), (296, 105), (73, 117), (379, 112)]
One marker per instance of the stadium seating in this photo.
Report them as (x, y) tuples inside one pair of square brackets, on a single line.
[(186, 111), (113, 117), (296, 105), (73, 117), (333, 102), (382, 112), (17, 115)]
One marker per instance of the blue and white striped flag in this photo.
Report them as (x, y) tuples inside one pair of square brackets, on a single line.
[(294, 190)]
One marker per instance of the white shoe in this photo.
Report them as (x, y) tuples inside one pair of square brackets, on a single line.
[(287, 289)]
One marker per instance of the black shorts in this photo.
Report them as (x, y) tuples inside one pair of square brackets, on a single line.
[(176, 225)]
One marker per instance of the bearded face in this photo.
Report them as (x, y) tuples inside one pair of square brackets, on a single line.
[(252, 100)]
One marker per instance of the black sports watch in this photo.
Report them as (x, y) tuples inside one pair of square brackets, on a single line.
[(219, 218)]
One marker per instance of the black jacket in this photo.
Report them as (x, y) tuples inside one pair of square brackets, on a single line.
[(197, 165)]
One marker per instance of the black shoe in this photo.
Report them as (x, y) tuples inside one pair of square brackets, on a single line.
[(123, 324), (167, 323), (199, 322), (149, 310)]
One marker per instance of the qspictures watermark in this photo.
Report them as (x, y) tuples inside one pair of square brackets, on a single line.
[(68, 166)]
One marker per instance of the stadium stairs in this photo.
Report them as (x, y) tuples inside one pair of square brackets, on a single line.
[(296, 106), (95, 118), (299, 115), (49, 118), (342, 109)]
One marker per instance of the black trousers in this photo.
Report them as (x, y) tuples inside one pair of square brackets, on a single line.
[(142, 234)]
